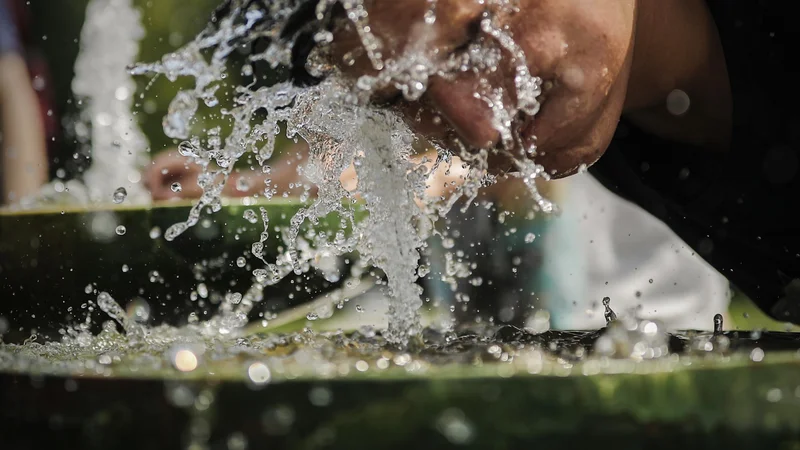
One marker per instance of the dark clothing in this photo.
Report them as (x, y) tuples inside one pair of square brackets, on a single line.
[(739, 210), (16, 37), (9, 40)]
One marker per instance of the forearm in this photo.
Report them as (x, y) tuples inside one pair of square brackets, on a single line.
[(24, 154), (677, 47)]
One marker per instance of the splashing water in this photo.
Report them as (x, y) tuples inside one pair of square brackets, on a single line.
[(342, 129), (608, 313)]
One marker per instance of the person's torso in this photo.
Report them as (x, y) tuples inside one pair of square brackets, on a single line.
[(736, 209)]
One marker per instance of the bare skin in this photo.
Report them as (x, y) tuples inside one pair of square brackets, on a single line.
[(169, 167), (23, 151), (603, 58), (688, 57)]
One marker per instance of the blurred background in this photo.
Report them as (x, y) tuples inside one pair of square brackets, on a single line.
[(55, 29)]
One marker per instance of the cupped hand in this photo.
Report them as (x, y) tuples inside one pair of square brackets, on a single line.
[(582, 50)]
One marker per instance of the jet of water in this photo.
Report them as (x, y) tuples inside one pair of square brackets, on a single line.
[(105, 92)]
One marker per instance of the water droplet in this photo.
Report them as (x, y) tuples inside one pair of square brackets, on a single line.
[(88, 289), (678, 102), (258, 373), (181, 111), (155, 233), (540, 322), (430, 17), (717, 323), (423, 270), (320, 396), (242, 184), (109, 306), (757, 355), (119, 195), (121, 93), (250, 216), (455, 427), (139, 310), (237, 441), (188, 149), (241, 262), (609, 314), (774, 395), (176, 187), (175, 230), (184, 360), (649, 328), (179, 395), (121, 230), (323, 37), (530, 237), (278, 421)]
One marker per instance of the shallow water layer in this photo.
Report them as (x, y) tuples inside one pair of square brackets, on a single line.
[(704, 402), (191, 353), (484, 387)]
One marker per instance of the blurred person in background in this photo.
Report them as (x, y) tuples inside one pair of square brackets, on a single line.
[(26, 119)]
